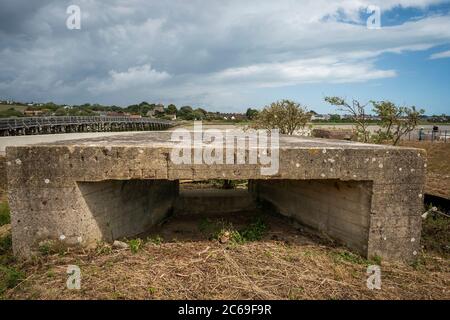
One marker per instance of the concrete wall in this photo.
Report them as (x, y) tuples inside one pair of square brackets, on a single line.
[(340, 209), (88, 212), (126, 208), (213, 201)]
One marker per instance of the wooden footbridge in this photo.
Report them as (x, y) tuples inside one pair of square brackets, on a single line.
[(48, 125)]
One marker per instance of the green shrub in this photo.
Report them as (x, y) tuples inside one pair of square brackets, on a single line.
[(255, 230), (5, 244), (5, 217), (9, 278), (156, 240), (356, 258), (135, 245), (46, 247), (436, 234), (349, 257)]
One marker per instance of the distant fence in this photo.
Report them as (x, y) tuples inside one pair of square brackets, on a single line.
[(44, 125), (428, 135)]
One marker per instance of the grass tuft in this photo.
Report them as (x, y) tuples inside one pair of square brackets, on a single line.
[(436, 234), (9, 278), (135, 245), (158, 240), (5, 216)]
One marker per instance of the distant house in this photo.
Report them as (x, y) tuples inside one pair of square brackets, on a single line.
[(157, 109), (231, 116), (33, 113), (114, 114), (320, 117)]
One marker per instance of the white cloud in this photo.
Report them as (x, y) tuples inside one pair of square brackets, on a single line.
[(440, 55), (196, 51), (302, 71), (134, 77)]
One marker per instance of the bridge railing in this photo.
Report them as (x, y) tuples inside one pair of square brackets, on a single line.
[(30, 122)]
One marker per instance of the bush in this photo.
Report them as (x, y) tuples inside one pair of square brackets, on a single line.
[(5, 217), (135, 245), (254, 231), (5, 244), (225, 232), (9, 278), (285, 115), (10, 113)]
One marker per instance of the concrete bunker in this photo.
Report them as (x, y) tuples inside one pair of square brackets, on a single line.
[(369, 197)]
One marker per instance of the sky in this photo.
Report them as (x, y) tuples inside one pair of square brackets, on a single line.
[(226, 55)]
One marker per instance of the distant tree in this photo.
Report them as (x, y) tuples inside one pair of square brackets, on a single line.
[(11, 112), (133, 108), (50, 106), (144, 109), (199, 114), (203, 111), (113, 108), (85, 112), (395, 121), (358, 115), (186, 109), (251, 114), (60, 112), (285, 115), (172, 109), (335, 118), (186, 113)]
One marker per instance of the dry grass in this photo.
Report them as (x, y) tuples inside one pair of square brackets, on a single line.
[(287, 263), (438, 170), (209, 270)]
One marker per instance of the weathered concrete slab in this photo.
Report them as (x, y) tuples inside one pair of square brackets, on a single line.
[(367, 196)]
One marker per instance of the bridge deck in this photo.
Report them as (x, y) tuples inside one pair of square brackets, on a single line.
[(35, 125)]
